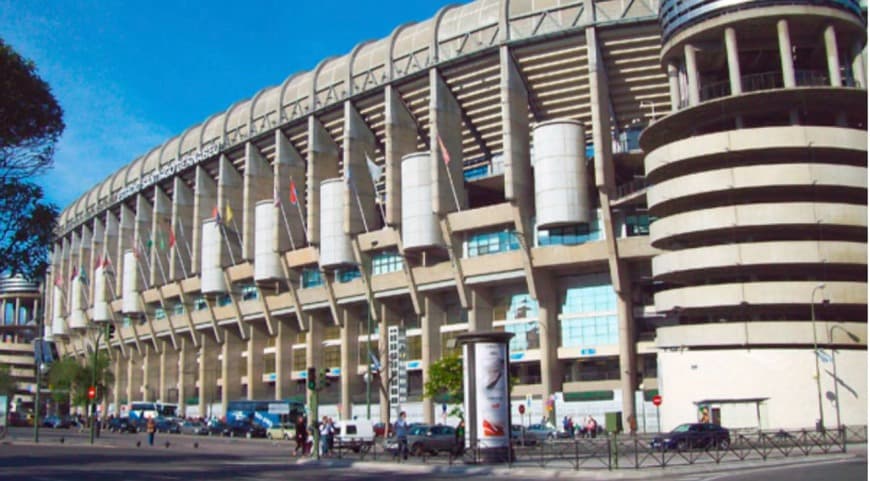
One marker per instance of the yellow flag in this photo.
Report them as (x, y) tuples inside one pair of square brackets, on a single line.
[(229, 216)]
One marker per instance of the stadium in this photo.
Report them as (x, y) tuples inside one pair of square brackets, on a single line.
[(656, 198)]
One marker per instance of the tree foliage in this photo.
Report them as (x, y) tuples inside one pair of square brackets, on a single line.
[(7, 382), (31, 120), (69, 379), (26, 229), (445, 380)]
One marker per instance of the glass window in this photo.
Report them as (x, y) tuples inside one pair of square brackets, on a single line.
[(570, 235), (178, 309), (456, 350), (331, 333), (200, 304), (332, 356), (347, 274), (299, 361), (637, 224), (224, 300), (415, 347), (483, 243), (311, 277), (159, 313), (268, 363), (385, 262), (250, 292)]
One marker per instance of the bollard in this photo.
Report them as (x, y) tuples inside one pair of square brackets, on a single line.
[(62, 440), (195, 445), (167, 444), (138, 444)]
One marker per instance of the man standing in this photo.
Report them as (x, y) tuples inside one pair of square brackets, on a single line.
[(151, 428), (401, 430), (301, 436)]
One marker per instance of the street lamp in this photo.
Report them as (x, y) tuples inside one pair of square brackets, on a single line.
[(834, 365), (821, 425)]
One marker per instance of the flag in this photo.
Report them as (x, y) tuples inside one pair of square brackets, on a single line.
[(148, 244), (74, 273), (98, 263), (171, 238), (216, 213), (374, 169), (444, 153), (293, 198), (161, 241), (229, 212), (106, 262)]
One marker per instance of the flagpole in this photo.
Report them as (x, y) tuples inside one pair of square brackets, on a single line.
[(223, 232), (358, 201), (232, 218), (186, 245), (286, 222), (298, 207), (446, 158)]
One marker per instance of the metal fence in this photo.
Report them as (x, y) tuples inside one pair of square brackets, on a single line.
[(623, 451)]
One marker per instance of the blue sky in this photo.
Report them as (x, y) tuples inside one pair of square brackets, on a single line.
[(130, 75)]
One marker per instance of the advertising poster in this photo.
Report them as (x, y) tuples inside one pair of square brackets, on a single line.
[(3, 402), (491, 388)]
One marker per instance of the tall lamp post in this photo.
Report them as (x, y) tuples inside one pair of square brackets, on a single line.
[(834, 365), (821, 425)]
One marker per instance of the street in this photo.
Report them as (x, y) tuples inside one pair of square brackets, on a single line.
[(118, 457)]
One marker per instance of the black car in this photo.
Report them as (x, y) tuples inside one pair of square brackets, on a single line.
[(123, 425), (244, 429), (167, 425), (693, 436)]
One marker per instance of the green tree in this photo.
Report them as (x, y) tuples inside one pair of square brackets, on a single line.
[(70, 379), (31, 122), (445, 380)]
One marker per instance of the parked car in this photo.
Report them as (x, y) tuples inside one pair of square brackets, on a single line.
[(423, 438), (216, 427), (193, 427), (357, 434), (281, 431), (381, 430), (17, 419), (692, 436), (167, 425), (56, 422), (123, 425), (519, 436), (244, 429), (541, 432)]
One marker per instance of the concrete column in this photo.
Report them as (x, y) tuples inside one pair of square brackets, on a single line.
[(859, 66), (314, 343), (692, 75), (134, 376), (515, 133), (480, 311), (187, 371), (401, 139), (208, 372), (731, 51), (231, 367), (351, 382), (548, 319), (168, 372), (119, 368), (257, 185), (322, 165), (627, 355), (284, 361), (833, 56), (445, 123), (674, 86), (430, 325), (257, 338), (785, 58), (150, 373), (360, 211)]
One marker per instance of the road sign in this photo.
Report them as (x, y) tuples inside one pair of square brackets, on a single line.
[(92, 392), (522, 409), (657, 400)]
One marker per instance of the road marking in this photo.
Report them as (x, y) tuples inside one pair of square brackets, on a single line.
[(773, 468)]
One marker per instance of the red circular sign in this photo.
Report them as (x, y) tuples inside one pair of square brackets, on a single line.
[(522, 408), (92, 393), (657, 400)]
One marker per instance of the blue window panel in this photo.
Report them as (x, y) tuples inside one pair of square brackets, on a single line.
[(224, 300), (526, 336), (178, 309), (585, 299), (589, 332), (484, 243), (250, 293), (477, 172), (311, 277), (200, 304), (348, 274), (570, 235), (159, 313), (522, 307), (385, 262)]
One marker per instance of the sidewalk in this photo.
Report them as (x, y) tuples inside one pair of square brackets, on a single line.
[(532, 471)]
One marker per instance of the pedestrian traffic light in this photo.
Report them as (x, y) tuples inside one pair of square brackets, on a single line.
[(312, 378), (92, 392), (111, 331)]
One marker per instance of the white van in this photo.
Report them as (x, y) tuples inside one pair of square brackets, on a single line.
[(355, 434)]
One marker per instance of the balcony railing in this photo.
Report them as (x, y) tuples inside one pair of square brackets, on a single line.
[(769, 81)]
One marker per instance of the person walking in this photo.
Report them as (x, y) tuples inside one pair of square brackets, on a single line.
[(301, 436), (151, 428), (460, 437), (401, 429), (324, 436)]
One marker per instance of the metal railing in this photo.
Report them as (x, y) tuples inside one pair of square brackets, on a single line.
[(624, 451)]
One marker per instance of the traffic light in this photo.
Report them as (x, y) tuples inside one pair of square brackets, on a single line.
[(324, 380), (92, 392), (312, 378), (111, 331)]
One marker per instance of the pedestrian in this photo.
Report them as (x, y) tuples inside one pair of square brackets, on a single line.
[(460, 437), (301, 436), (330, 437), (151, 428), (401, 429), (324, 436), (591, 426), (571, 427), (565, 424)]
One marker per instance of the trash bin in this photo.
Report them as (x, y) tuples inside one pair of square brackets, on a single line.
[(613, 422)]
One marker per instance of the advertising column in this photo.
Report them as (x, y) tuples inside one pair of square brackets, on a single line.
[(487, 398)]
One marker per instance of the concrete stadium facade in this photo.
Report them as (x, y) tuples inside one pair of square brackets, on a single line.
[(485, 170)]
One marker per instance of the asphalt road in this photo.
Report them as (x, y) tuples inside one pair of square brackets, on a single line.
[(187, 458)]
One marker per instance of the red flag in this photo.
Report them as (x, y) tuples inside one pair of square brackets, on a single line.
[(98, 263), (106, 262), (216, 213), (444, 153), (74, 273), (293, 198), (58, 281), (171, 238)]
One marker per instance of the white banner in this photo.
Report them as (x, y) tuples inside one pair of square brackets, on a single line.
[(491, 388)]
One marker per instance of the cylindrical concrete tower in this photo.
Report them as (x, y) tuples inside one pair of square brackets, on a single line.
[(267, 264), (419, 223), (335, 248), (561, 183)]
